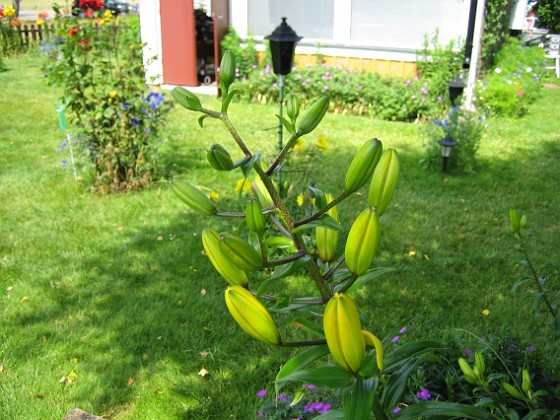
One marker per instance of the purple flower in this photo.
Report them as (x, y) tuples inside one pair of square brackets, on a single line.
[(282, 397), (396, 410), (259, 414), (402, 330), (64, 163), (317, 407), (395, 339), (424, 394), (310, 386), (424, 90), (261, 393), (531, 348), (468, 352)]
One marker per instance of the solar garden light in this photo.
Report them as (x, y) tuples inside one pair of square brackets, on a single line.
[(447, 144)]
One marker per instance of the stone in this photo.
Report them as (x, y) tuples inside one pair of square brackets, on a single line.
[(77, 414)]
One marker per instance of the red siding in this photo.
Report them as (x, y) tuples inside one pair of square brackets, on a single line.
[(178, 43)]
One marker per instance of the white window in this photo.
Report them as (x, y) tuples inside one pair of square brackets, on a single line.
[(403, 23), (309, 18)]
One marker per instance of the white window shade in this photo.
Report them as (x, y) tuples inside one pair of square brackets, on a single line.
[(309, 18), (403, 23)]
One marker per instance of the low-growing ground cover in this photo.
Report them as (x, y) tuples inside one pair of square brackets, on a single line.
[(108, 305)]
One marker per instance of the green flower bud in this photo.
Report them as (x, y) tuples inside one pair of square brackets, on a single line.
[(313, 116), (240, 252), (362, 242), (514, 221), (343, 332), (194, 198), (363, 164), (254, 217), (219, 158), (186, 98), (251, 315), (384, 181), (223, 265), (327, 239), (467, 371), (227, 70), (292, 106)]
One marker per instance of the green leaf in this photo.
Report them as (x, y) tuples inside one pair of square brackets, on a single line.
[(403, 353), (227, 100), (325, 221), (290, 268), (396, 384), (371, 274), (309, 326), (280, 242), (288, 125), (298, 362), (201, 120), (247, 166), (357, 400), (520, 282), (331, 376), (442, 408), (335, 414)]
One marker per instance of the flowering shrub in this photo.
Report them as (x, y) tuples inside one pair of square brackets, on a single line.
[(466, 128), (389, 98), (515, 81), (10, 41), (306, 403), (116, 118)]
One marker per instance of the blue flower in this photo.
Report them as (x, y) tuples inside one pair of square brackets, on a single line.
[(154, 99)]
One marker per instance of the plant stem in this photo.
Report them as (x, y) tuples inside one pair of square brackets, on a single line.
[(283, 212), (540, 287), (283, 153), (280, 261), (322, 211), (303, 343)]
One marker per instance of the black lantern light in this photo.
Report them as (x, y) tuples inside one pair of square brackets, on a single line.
[(456, 87), (447, 144), (282, 46)]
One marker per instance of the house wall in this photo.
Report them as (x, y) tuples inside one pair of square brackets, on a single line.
[(376, 35)]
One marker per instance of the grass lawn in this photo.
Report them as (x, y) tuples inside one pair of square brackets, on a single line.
[(107, 303)]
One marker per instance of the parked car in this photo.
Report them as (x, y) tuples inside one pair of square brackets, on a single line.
[(115, 6)]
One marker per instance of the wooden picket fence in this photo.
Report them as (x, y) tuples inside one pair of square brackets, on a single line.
[(31, 35)]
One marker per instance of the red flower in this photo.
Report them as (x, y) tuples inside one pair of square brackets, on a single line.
[(73, 31), (85, 45)]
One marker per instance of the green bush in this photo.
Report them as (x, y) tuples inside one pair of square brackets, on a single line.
[(466, 128), (514, 82), (115, 117), (548, 12)]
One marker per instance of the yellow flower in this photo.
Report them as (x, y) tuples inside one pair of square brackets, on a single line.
[(300, 199), (213, 195), (100, 22), (9, 11), (40, 21), (322, 144), (299, 145), (485, 312), (242, 185), (107, 14), (112, 93)]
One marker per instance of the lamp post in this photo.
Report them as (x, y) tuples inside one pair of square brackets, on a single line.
[(456, 87), (447, 144), (282, 47)]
